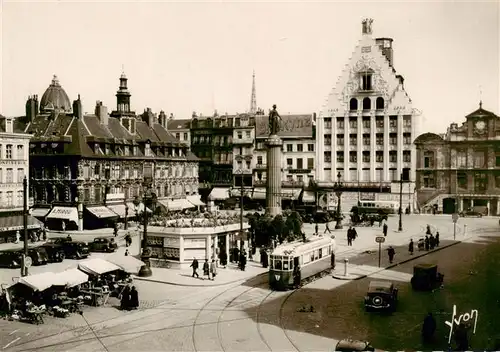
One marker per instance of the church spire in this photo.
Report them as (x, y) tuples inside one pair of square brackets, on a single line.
[(253, 100)]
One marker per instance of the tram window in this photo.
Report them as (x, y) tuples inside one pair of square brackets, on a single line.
[(312, 256), (285, 264), (306, 258), (277, 264), (320, 253), (271, 261), (316, 255)]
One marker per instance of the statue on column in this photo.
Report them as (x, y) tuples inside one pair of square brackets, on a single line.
[(274, 121)]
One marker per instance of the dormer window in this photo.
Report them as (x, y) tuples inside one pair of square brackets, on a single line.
[(147, 149), (366, 81), (126, 150), (107, 149)]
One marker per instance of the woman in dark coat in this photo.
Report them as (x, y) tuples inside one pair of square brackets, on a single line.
[(134, 298), (125, 300)]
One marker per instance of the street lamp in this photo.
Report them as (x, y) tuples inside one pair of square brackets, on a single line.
[(126, 215), (145, 270), (400, 226), (338, 187)]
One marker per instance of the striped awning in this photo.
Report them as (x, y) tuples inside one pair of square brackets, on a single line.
[(15, 223), (102, 212), (176, 204), (195, 200), (309, 197), (39, 212), (219, 194), (64, 213)]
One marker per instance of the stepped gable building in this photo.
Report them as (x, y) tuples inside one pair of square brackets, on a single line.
[(366, 128), (88, 170), (460, 170), (180, 129)]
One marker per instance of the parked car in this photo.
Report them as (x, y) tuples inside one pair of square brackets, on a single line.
[(103, 244), (471, 213), (72, 249), (55, 251), (381, 295), (348, 345), (38, 255), (426, 277), (10, 259)]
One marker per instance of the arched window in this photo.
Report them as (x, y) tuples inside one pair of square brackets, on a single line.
[(367, 103), (380, 103), (353, 104)]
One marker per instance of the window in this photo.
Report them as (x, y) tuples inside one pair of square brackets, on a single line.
[(393, 121), (328, 157), (353, 157), (379, 138), (462, 180), (289, 147), (299, 163), (479, 159), (310, 147), (379, 121), (300, 147), (406, 156), (429, 180), (340, 157), (185, 136), (259, 160), (289, 178), (353, 139), (328, 122), (340, 139), (1, 175), (20, 152), (237, 122), (8, 153), (289, 162), (366, 139), (20, 198), (407, 121), (240, 135), (10, 199), (353, 104), (406, 138), (366, 156), (178, 136), (428, 160), (248, 165), (393, 156), (393, 139), (497, 161), (379, 104), (247, 135), (367, 104), (340, 122), (366, 122), (20, 175), (379, 157), (366, 81), (394, 174), (10, 176), (480, 181), (353, 123), (461, 158), (1, 151), (328, 139), (310, 163)]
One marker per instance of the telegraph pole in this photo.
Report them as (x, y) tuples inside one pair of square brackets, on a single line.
[(24, 269), (400, 227), (242, 242)]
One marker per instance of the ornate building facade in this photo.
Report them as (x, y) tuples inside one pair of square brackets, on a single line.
[(366, 128), (460, 169), (87, 170)]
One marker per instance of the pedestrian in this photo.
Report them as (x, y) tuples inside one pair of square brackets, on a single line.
[(128, 240), (354, 233), (213, 269), (316, 229), (223, 257), (349, 237), (428, 231), (428, 328), (436, 239), (327, 228), (63, 226), (68, 238), (384, 229), (195, 265), (332, 261), (243, 261), (206, 269), (426, 242), (411, 246), (461, 338), (126, 252), (18, 237), (296, 276), (391, 252), (125, 298), (432, 242), (44, 234), (134, 298), (115, 229)]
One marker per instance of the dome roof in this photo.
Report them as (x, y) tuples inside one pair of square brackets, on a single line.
[(55, 98)]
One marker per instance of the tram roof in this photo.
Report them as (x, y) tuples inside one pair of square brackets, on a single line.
[(299, 247)]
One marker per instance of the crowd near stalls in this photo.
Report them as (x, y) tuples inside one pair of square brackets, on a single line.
[(59, 294), (195, 218)]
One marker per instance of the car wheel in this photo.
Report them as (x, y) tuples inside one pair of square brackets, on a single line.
[(377, 300), (78, 255), (62, 256)]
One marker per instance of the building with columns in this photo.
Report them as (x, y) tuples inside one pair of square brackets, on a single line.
[(90, 170), (460, 169), (366, 128)]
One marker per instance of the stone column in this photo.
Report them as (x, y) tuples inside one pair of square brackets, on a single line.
[(208, 247), (216, 247), (461, 204), (498, 206), (227, 246), (273, 184), (80, 208), (181, 249)]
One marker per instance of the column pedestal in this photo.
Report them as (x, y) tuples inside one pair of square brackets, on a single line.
[(274, 165)]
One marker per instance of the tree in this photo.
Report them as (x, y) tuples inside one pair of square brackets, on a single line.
[(265, 229), (278, 228), (293, 225)]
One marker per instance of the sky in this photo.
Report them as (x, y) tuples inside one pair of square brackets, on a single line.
[(199, 56)]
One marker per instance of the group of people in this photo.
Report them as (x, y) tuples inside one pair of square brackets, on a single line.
[(209, 269), (129, 298), (351, 235)]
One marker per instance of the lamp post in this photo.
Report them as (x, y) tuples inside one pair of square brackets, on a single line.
[(126, 215), (24, 270), (338, 186), (145, 270), (400, 226)]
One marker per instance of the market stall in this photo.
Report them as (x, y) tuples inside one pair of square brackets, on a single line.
[(128, 264), (102, 280), (68, 299)]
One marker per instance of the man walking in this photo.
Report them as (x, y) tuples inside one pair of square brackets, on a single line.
[(316, 229), (384, 229), (427, 243), (195, 266), (349, 237), (327, 228), (436, 239), (411, 246), (206, 270), (213, 269), (391, 252)]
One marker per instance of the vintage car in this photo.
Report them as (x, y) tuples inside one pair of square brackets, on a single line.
[(54, 251), (38, 255), (10, 259), (103, 244), (381, 295), (426, 277), (72, 249), (472, 212), (346, 345)]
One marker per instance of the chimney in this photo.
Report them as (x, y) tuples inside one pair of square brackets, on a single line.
[(101, 112), (401, 80), (31, 109), (194, 115), (171, 116), (162, 119), (77, 108), (149, 117), (9, 125), (385, 45)]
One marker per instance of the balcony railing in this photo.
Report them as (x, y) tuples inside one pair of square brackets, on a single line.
[(260, 166), (243, 141), (288, 184)]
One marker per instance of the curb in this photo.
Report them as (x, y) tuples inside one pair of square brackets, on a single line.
[(362, 276), (194, 285)]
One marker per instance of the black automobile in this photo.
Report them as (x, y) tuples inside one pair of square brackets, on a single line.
[(348, 345), (381, 295), (426, 277), (55, 251), (471, 213), (72, 249), (103, 244), (10, 259), (38, 255)]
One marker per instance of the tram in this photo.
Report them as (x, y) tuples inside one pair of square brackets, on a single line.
[(313, 257), (377, 207)]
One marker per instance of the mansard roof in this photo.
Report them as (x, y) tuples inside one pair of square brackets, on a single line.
[(178, 124), (291, 126)]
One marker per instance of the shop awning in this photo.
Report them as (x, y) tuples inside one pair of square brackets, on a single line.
[(195, 200), (38, 282), (65, 213), (39, 212), (15, 223), (97, 266), (259, 193), (102, 212), (119, 209), (219, 194), (70, 278), (290, 193), (176, 204), (309, 197), (128, 263), (136, 209)]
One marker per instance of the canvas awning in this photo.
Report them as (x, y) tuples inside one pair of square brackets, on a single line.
[(102, 212), (290, 193), (195, 200), (128, 263), (176, 204), (15, 223), (70, 278), (137, 209), (38, 282), (65, 213), (119, 209), (39, 212), (309, 197), (97, 266), (219, 194), (259, 193)]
